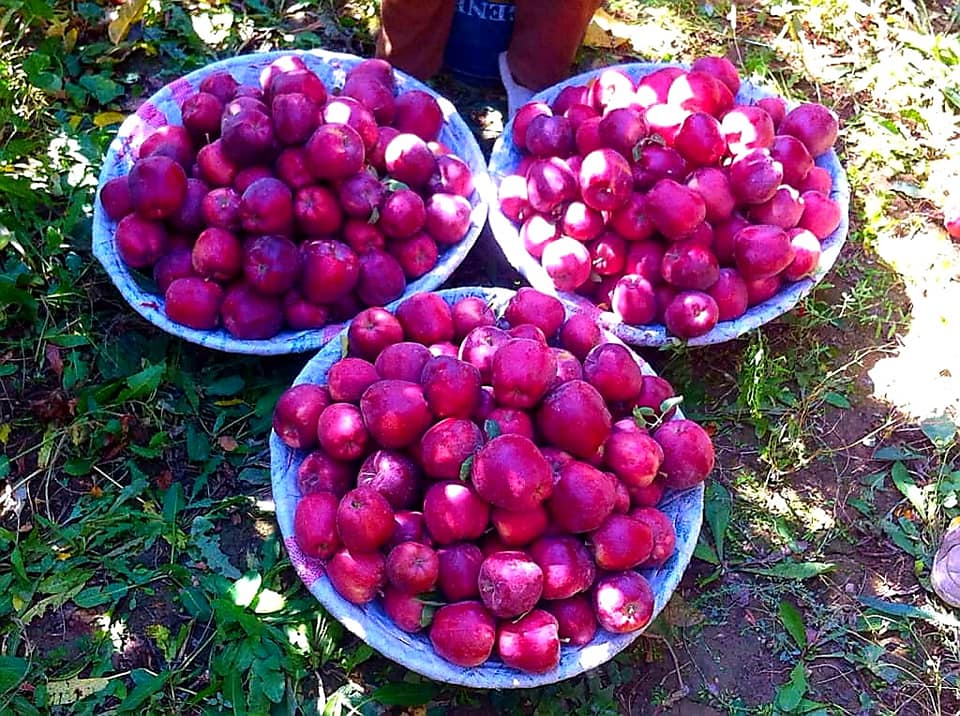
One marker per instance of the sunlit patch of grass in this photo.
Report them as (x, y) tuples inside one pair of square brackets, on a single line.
[(651, 32), (774, 515)]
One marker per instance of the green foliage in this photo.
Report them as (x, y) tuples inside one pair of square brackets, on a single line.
[(138, 502)]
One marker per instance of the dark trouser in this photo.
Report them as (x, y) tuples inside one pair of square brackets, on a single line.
[(546, 35)]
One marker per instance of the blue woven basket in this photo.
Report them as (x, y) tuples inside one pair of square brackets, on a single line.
[(370, 623), (164, 108), (506, 157)]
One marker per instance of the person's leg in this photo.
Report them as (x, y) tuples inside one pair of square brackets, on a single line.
[(413, 34), (545, 39)]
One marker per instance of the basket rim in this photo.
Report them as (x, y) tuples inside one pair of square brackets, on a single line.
[(398, 645), (506, 233), (150, 306)]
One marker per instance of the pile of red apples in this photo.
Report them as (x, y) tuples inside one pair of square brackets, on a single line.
[(493, 480), (284, 206), (666, 201)]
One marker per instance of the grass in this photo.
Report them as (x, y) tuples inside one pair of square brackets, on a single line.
[(141, 566)]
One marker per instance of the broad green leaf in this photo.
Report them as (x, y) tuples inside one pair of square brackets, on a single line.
[(792, 570), (875, 480), (22, 706), (54, 601), (909, 489), (704, 551), (782, 527), (812, 708), (61, 581), (492, 429), (359, 655), (872, 656), (148, 685), (16, 561), (861, 506), (12, 671), (716, 509), (891, 453), (233, 691), (138, 483), (95, 596), (70, 691), (198, 444), (104, 89), (791, 693), (10, 295), (145, 382), (940, 431), (405, 694), (173, 502), (228, 385), (949, 483), (195, 603), (19, 188), (902, 537), (272, 682), (68, 340), (910, 611), (793, 622), (78, 467), (36, 8), (207, 543), (837, 400), (243, 591)]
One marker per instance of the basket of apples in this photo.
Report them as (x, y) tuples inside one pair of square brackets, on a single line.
[(674, 203), (255, 205), (485, 487)]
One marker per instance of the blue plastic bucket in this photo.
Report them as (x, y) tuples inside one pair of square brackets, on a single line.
[(480, 31)]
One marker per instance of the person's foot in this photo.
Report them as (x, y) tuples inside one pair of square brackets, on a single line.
[(517, 94)]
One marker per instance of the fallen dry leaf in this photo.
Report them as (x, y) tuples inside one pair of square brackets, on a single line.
[(164, 479), (54, 360), (607, 32)]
